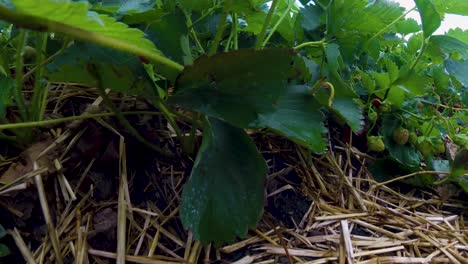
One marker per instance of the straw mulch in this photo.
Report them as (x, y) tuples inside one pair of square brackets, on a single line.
[(319, 209)]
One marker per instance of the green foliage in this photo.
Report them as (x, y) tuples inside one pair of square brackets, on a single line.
[(119, 71), (76, 14), (224, 195), (359, 62), (6, 92)]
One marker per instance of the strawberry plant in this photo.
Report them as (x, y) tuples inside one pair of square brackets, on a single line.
[(256, 64)]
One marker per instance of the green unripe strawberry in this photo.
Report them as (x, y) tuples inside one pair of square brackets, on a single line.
[(401, 135), (439, 147), (425, 147), (29, 53), (413, 138), (375, 143), (385, 107)]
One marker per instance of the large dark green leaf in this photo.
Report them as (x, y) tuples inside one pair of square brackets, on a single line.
[(237, 86), (250, 89), (297, 117), (224, 195), (430, 18), (119, 71)]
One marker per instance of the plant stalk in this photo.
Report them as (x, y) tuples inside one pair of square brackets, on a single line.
[(219, 33), (273, 30), (18, 91), (266, 24)]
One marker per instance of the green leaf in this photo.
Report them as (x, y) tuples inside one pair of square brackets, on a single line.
[(430, 18), (119, 71), (413, 83), (309, 17), (195, 5), (459, 168), (224, 196), (170, 34), (256, 95), (297, 117), (407, 26), (76, 14), (459, 7), (135, 6), (450, 46), (405, 154), (386, 169), (350, 111), (4, 250), (334, 57), (6, 93), (459, 69), (459, 34), (237, 86), (362, 17)]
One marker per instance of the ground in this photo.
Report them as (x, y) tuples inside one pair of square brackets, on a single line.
[(99, 180)]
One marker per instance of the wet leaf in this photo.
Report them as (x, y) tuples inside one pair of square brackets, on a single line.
[(224, 195)]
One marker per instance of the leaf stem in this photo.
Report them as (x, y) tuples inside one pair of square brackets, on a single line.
[(422, 49), (273, 30), (57, 121), (38, 93), (219, 32), (383, 30), (42, 24), (314, 44), (93, 70), (234, 28), (266, 24), (18, 91)]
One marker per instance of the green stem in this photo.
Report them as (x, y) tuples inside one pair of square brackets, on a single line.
[(94, 71), (47, 60), (422, 49), (273, 30), (208, 13), (57, 121), (383, 30), (313, 44), (42, 24), (38, 93), (43, 105), (18, 91), (266, 24), (219, 33), (192, 31), (234, 28)]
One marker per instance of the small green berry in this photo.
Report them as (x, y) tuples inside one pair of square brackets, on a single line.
[(375, 143), (401, 135)]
